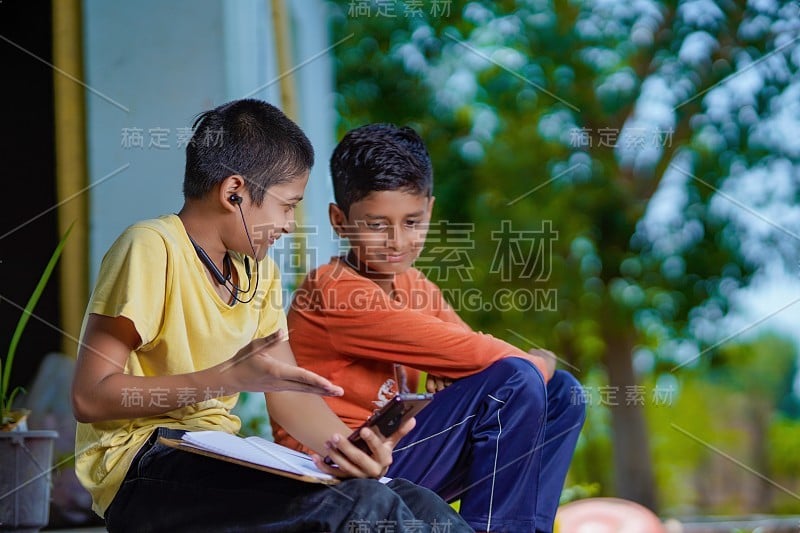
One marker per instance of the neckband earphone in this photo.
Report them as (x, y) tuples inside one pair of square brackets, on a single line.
[(224, 279)]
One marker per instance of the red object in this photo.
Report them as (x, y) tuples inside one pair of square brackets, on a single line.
[(606, 515)]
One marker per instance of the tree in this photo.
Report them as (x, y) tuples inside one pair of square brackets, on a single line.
[(764, 369), (607, 154)]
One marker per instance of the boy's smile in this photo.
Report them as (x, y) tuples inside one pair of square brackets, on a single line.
[(386, 231)]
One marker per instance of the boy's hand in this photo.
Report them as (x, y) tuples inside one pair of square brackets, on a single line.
[(352, 462), (548, 358), (253, 369), (436, 383)]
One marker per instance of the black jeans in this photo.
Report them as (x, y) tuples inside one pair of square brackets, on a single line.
[(172, 490)]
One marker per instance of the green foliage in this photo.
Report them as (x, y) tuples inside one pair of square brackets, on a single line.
[(784, 462), (717, 413), (697, 413), (251, 410), (579, 492), (501, 134), (590, 465), (502, 153), (764, 367), (8, 395), (784, 442)]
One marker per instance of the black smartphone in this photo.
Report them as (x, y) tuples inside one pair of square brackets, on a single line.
[(390, 417)]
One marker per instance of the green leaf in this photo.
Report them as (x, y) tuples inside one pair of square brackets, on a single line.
[(6, 399)]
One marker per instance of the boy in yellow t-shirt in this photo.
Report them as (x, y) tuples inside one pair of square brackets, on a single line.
[(187, 313)]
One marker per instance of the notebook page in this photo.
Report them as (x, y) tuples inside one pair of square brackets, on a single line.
[(260, 452), (303, 460)]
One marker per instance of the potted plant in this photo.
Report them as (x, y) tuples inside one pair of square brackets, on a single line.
[(25, 455)]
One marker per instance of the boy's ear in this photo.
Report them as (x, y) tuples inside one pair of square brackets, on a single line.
[(337, 218), (230, 186)]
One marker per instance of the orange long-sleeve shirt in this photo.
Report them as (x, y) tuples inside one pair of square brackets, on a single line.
[(344, 327)]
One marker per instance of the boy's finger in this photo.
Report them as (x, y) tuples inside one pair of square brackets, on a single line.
[(436, 383), (288, 384), (299, 379), (327, 468), (404, 429), (349, 460), (296, 386), (430, 384), (333, 466), (312, 380), (381, 456)]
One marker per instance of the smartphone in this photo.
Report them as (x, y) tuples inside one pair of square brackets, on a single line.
[(390, 417)]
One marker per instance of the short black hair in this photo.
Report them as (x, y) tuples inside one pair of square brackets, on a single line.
[(247, 137), (379, 157)]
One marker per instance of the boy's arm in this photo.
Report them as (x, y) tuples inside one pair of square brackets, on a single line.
[(446, 313), (545, 360), (100, 385), (444, 349), (307, 418)]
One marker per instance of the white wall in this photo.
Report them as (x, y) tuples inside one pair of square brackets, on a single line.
[(318, 118), (163, 63), (152, 66)]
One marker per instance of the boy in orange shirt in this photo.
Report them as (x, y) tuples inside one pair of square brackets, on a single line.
[(502, 427)]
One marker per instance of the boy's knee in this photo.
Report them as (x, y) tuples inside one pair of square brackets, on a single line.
[(399, 484), (359, 502), (524, 381), (563, 380), (517, 366), (565, 390)]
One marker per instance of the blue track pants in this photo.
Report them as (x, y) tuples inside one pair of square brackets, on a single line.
[(501, 442)]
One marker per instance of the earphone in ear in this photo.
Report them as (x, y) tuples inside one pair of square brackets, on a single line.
[(235, 199)]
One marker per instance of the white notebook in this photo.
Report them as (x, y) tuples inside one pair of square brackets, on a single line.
[(254, 452)]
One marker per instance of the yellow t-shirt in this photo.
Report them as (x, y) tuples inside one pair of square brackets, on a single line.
[(152, 276)]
